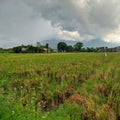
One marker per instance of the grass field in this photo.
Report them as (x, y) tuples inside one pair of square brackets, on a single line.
[(74, 86)]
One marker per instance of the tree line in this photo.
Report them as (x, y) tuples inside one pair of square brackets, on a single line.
[(78, 47), (32, 49), (61, 47)]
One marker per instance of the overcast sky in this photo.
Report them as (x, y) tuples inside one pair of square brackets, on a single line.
[(30, 21)]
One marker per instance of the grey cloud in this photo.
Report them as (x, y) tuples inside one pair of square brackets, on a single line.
[(98, 17), (19, 24), (28, 21), (104, 15), (65, 13)]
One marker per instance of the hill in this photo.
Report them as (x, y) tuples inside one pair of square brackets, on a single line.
[(86, 43)]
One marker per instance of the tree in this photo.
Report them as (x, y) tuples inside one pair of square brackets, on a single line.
[(38, 44), (32, 49), (17, 49), (62, 47), (78, 46), (91, 49), (70, 48), (47, 46)]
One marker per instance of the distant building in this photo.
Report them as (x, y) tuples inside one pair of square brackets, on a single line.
[(118, 49), (45, 50), (106, 49), (23, 49), (115, 49), (102, 49)]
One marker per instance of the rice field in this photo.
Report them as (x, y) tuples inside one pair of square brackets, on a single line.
[(60, 86)]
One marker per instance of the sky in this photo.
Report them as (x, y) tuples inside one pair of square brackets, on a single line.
[(31, 21)]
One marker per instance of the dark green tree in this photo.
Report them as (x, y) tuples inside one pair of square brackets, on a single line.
[(91, 49), (47, 47), (17, 49), (70, 48), (32, 49), (62, 47), (78, 46)]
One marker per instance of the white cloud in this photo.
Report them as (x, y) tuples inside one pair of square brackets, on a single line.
[(80, 3), (68, 35), (114, 36)]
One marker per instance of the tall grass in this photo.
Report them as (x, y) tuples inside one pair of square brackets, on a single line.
[(84, 86)]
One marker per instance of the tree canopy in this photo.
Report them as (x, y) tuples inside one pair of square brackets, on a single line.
[(62, 47), (78, 46)]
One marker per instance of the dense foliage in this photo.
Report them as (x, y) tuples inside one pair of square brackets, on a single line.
[(61, 47), (78, 47)]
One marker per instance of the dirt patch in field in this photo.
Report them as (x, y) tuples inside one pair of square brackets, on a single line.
[(51, 103), (76, 98)]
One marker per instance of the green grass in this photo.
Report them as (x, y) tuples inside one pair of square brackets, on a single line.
[(41, 86)]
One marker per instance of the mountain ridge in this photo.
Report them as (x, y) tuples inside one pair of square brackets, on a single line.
[(86, 43)]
